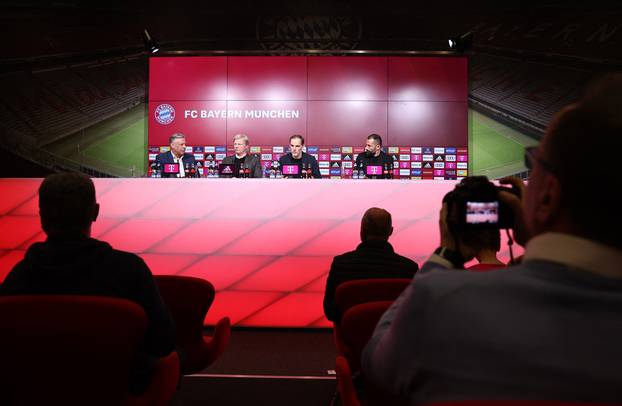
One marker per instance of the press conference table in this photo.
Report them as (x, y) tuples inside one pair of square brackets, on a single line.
[(265, 244)]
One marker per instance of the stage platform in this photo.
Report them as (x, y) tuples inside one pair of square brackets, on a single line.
[(265, 244)]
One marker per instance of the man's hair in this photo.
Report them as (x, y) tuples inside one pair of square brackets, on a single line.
[(577, 147), (242, 137), (377, 139), (66, 202), (302, 140), (376, 223), (175, 136)]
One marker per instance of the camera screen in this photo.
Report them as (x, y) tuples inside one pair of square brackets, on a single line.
[(482, 212)]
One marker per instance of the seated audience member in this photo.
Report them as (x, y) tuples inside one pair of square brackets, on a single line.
[(299, 158), (177, 155), (546, 329), (245, 164), (478, 242), (69, 262), (373, 258)]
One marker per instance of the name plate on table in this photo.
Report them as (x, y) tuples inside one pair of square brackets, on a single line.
[(290, 170), (171, 168), (373, 170)]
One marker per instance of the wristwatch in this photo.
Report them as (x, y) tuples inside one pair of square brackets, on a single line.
[(452, 256)]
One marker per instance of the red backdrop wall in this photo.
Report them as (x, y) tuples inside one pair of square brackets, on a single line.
[(334, 102)]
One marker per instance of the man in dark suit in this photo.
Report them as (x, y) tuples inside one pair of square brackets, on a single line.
[(245, 164), (70, 262), (177, 155), (373, 258)]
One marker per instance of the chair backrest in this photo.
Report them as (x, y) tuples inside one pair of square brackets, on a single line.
[(357, 325), (359, 291), (57, 349), (188, 299)]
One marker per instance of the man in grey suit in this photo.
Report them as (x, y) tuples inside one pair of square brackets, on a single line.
[(245, 164), (549, 328)]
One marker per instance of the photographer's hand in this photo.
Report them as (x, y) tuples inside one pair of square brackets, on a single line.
[(521, 233)]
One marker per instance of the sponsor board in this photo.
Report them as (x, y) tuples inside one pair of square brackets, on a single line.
[(346, 164), (462, 165), (439, 165), (450, 158), (278, 150), (450, 165), (404, 165), (428, 157), (394, 150), (255, 150), (221, 148), (439, 150), (415, 150), (450, 151), (324, 171), (404, 172), (346, 150), (463, 158), (152, 157), (404, 157), (312, 150), (335, 157), (266, 157), (220, 157), (415, 164), (461, 172)]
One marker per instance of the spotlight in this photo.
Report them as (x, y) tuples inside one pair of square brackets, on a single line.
[(150, 44), (461, 43)]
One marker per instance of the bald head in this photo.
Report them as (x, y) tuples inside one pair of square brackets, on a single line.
[(376, 225)]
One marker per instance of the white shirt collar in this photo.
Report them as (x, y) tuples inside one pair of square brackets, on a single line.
[(576, 252)]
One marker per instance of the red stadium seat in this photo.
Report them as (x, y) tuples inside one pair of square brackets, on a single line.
[(189, 299), (352, 293), (75, 350)]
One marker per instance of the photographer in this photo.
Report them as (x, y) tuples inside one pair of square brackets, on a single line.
[(548, 328), (474, 217)]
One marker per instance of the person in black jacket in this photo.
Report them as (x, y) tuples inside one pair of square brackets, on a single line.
[(373, 258), (69, 262), (299, 158)]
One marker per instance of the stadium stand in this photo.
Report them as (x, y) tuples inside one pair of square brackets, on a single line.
[(50, 104), (530, 90)]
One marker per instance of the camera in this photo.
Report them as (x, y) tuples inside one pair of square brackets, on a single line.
[(475, 204)]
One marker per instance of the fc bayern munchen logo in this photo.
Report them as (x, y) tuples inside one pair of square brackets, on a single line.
[(164, 114)]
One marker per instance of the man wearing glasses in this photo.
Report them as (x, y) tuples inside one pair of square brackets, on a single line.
[(548, 328)]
